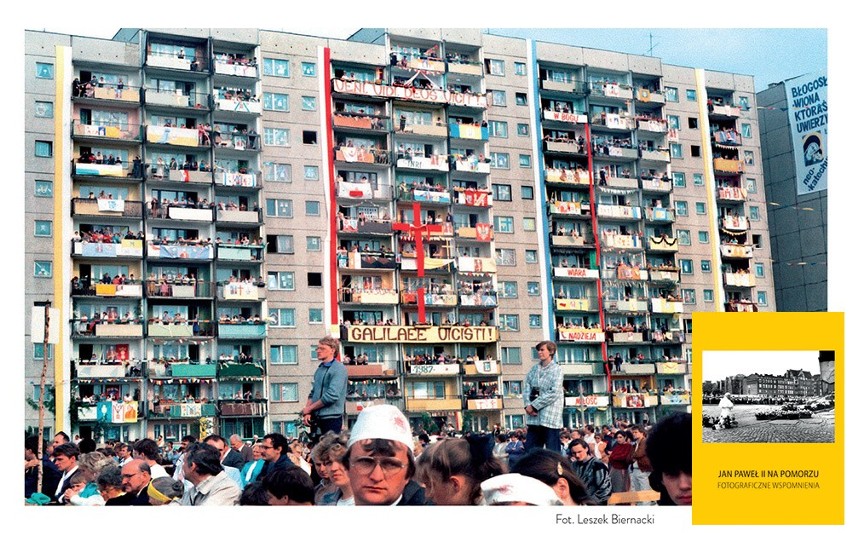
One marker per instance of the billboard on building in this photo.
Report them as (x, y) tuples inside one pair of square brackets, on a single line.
[(807, 108)]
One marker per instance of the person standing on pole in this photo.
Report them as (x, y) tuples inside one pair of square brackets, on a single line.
[(327, 398), (543, 397)]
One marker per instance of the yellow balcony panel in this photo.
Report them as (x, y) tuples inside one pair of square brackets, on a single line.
[(732, 166), (471, 69), (576, 176), (671, 367), (172, 136), (433, 404), (424, 129), (661, 305), (737, 250), (567, 240), (482, 368), (573, 304), (112, 93), (118, 330), (121, 291), (370, 370), (569, 208), (743, 279), (656, 184), (634, 401), (662, 244)]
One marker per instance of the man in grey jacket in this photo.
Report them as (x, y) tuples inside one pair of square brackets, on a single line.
[(211, 485), (327, 398)]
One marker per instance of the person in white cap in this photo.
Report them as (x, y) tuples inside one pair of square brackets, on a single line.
[(380, 459), (515, 489)]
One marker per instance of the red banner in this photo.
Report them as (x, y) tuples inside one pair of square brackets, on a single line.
[(475, 198), (484, 232)]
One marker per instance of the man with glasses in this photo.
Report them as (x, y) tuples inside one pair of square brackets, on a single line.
[(275, 450), (326, 401), (380, 459), (135, 478), (593, 472)]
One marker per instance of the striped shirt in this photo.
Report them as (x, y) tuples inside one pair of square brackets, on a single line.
[(550, 401)]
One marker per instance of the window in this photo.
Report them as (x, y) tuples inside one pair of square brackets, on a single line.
[(282, 318), (533, 288), (43, 228), (315, 316), (309, 69), (276, 137), (756, 241), (309, 103), (311, 173), (761, 298), (524, 161), (520, 68), (671, 94), (529, 224), (44, 71), (44, 189), (314, 279), (276, 67), (688, 296), (498, 98), (286, 354), (309, 137), (314, 244), (531, 256), (498, 128), (43, 149), (746, 130), (504, 224), (535, 321), (751, 185), (495, 66), (44, 109), (502, 193), (676, 150), (500, 160), (754, 212), (38, 351), (510, 356), (281, 281), (705, 265), (698, 179), (744, 103), (690, 95), (749, 158), (278, 172), (312, 208), (708, 295), (683, 237), (695, 150), (703, 237), (700, 208), (509, 323), (679, 179), (674, 122), (759, 270), (43, 269), (681, 208), (521, 99), (284, 392), (686, 266), (693, 123), (276, 102), (281, 244), (513, 389), (507, 289), (505, 256), (523, 129), (687, 326), (279, 208), (526, 192)]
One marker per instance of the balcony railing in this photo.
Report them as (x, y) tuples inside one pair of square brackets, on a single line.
[(111, 92), (734, 222), (588, 368), (634, 401), (176, 98), (240, 371), (620, 182), (571, 86), (729, 166), (161, 171), (110, 412), (627, 152), (567, 240), (117, 132), (653, 126), (482, 299), (433, 370), (662, 244), (742, 279), (671, 367), (480, 265), (191, 252), (573, 304), (726, 110), (363, 191), (103, 207), (372, 156), (562, 146), (625, 272), (241, 291), (564, 116), (659, 214), (665, 274), (173, 410), (577, 176), (230, 68), (171, 135), (97, 328), (125, 248), (434, 130), (433, 404), (110, 290), (368, 296), (445, 299), (469, 131), (655, 184), (649, 96), (614, 121), (472, 197), (569, 208), (177, 61), (419, 162), (237, 140), (627, 337), (482, 232), (661, 305), (173, 330), (178, 212), (431, 96), (676, 398), (425, 195), (239, 217), (655, 155), (738, 194), (470, 68), (737, 251), (612, 240), (361, 122), (741, 306), (243, 408), (632, 305), (242, 331), (620, 211), (611, 90), (579, 335), (95, 169), (484, 404), (727, 137), (470, 164), (239, 252), (360, 260), (235, 105), (178, 289), (576, 273), (483, 368), (110, 370)]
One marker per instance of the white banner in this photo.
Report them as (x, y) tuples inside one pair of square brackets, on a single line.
[(807, 107), (108, 204)]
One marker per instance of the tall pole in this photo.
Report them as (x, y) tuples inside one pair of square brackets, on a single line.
[(45, 352)]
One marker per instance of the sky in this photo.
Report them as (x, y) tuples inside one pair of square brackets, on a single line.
[(717, 365)]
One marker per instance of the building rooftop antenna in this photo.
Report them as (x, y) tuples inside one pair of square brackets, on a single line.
[(650, 51)]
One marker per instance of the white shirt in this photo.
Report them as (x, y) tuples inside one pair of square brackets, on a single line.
[(157, 470), (65, 476)]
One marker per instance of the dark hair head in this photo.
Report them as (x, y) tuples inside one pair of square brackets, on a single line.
[(550, 345), (548, 466), (581, 442), (641, 429), (147, 448), (278, 441), (205, 458), (384, 448), (501, 437), (254, 494), (31, 444), (63, 435), (669, 445), (470, 457), (292, 482), (189, 439), (69, 449), (110, 476), (213, 437), (626, 434), (87, 445)]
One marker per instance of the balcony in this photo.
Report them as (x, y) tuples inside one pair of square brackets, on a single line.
[(569, 86), (656, 184), (652, 125), (483, 299), (159, 171), (242, 331), (614, 121), (177, 289), (469, 131), (671, 367), (372, 371), (240, 371), (728, 166), (592, 401), (174, 61), (426, 130), (676, 398), (187, 370), (125, 248), (237, 141), (170, 331), (482, 368), (659, 214), (735, 194), (103, 207), (93, 328), (243, 408), (626, 272), (727, 138), (474, 164), (472, 197), (367, 296), (418, 162), (573, 304), (737, 251), (662, 244), (734, 222), (424, 195), (621, 183), (625, 212), (430, 96), (100, 170), (433, 404), (433, 370), (239, 217), (648, 96), (634, 401), (655, 155), (627, 242), (373, 156), (116, 132), (360, 122), (444, 299), (575, 273), (109, 412), (185, 252), (359, 260), (618, 91), (468, 67), (478, 265), (481, 232), (724, 110), (741, 307), (110, 290), (567, 240), (743, 279), (661, 305), (563, 147), (228, 67), (172, 136), (170, 409), (422, 334), (626, 306), (176, 98), (627, 337), (187, 214), (111, 93), (241, 291), (115, 370), (562, 116), (368, 226), (243, 180), (577, 176), (484, 404), (665, 275), (239, 252), (569, 208), (579, 335)]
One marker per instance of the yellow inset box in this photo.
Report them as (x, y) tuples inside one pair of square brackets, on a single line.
[(781, 461)]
